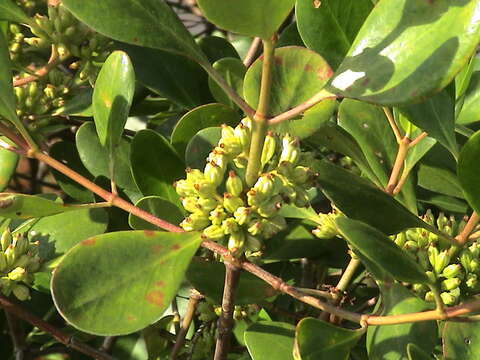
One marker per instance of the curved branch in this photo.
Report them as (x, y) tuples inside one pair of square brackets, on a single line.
[(52, 62)]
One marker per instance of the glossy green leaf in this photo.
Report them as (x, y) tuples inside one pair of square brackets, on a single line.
[(316, 339), (436, 116), (217, 48), (381, 250), (298, 242), (416, 153), (208, 278), (9, 11), (112, 98), (310, 122), (439, 180), (21, 206), (202, 117), (95, 157), (461, 340), (130, 347), (67, 153), (7, 99), (297, 75), (270, 340), (176, 77), (100, 288), (155, 165), (247, 17), (368, 125), (468, 173), (8, 165), (408, 49), (79, 105), (290, 37), (416, 353), (360, 200), (330, 26), (390, 342), (470, 109), (446, 203), (200, 146), (58, 233), (158, 207), (233, 71), (149, 23)]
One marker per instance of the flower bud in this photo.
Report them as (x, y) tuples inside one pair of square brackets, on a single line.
[(432, 278), (3, 262), (217, 215), (213, 232), (10, 255), (450, 284), (474, 249), (419, 288), (290, 150), (301, 174), (6, 239), (190, 204), (184, 188), (273, 225), (236, 242), (429, 218), (270, 207), (207, 204), (452, 271), (231, 146), (255, 227), (448, 298), (268, 148), (38, 42), (214, 173), (400, 239), (21, 292), (243, 134), (194, 222), (422, 238), (22, 261), (429, 297), (472, 281), (227, 131), (474, 265), (218, 156), (20, 242), (254, 198), (441, 261), (194, 175), (242, 215), (205, 188), (33, 264), (264, 185), (252, 243), (17, 274), (465, 258), (327, 228), (234, 184), (231, 203), (229, 225), (442, 221)]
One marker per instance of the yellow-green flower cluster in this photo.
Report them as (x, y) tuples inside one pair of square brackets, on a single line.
[(18, 261), (224, 207), (454, 270)]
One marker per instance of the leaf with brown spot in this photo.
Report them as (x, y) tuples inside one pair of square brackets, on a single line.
[(89, 242), (98, 289)]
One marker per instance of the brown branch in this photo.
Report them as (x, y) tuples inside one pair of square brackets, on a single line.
[(108, 344), (66, 339), (225, 322), (252, 51), (195, 297), (467, 230), (397, 166), (52, 62), (393, 125)]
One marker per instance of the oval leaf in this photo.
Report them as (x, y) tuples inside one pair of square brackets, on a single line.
[(233, 71), (260, 337), (200, 146), (297, 75), (21, 206), (380, 250), (316, 339), (112, 98), (121, 282), (158, 207), (7, 99), (468, 172), (8, 165), (461, 340), (150, 23), (247, 17), (408, 49)]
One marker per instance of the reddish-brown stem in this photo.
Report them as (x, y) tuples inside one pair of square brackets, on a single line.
[(225, 322), (419, 138), (52, 62), (65, 339), (393, 125), (397, 166), (17, 139), (467, 230), (252, 51)]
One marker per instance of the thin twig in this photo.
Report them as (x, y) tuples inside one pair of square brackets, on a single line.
[(52, 62), (393, 125), (252, 51), (398, 164), (195, 297), (419, 138), (467, 230), (66, 339), (225, 322), (108, 344)]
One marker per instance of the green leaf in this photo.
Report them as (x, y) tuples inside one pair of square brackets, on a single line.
[(436, 116), (439, 180), (201, 117), (360, 200), (390, 342), (95, 157), (414, 352), (470, 110), (468, 171), (208, 278), (100, 288), (247, 17), (381, 250), (233, 71), (58, 233), (290, 37), (149, 23), (416, 153), (158, 207), (155, 165), (317, 339), (461, 340), (330, 26), (9, 11), (369, 126), (200, 146), (173, 76), (217, 48), (79, 105), (260, 337), (297, 75), (21, 206), (130, 347), (8, 165), (408, 49), (7, 98), (310, 122), (112, 98), (67, 154)]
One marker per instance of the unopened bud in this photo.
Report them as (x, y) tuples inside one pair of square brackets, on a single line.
[(231, 203), (242, 215), (190, 204), (230, 225), (273, 225), (217, 215), (213, 232), (472, 281), (6, 239), (268, 149), (21, 292), (243, 134), (452, 271), (252, 243), (17, 274), (450, 284), (234, 184), (214, 173), (448, 298), (236, 242)]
